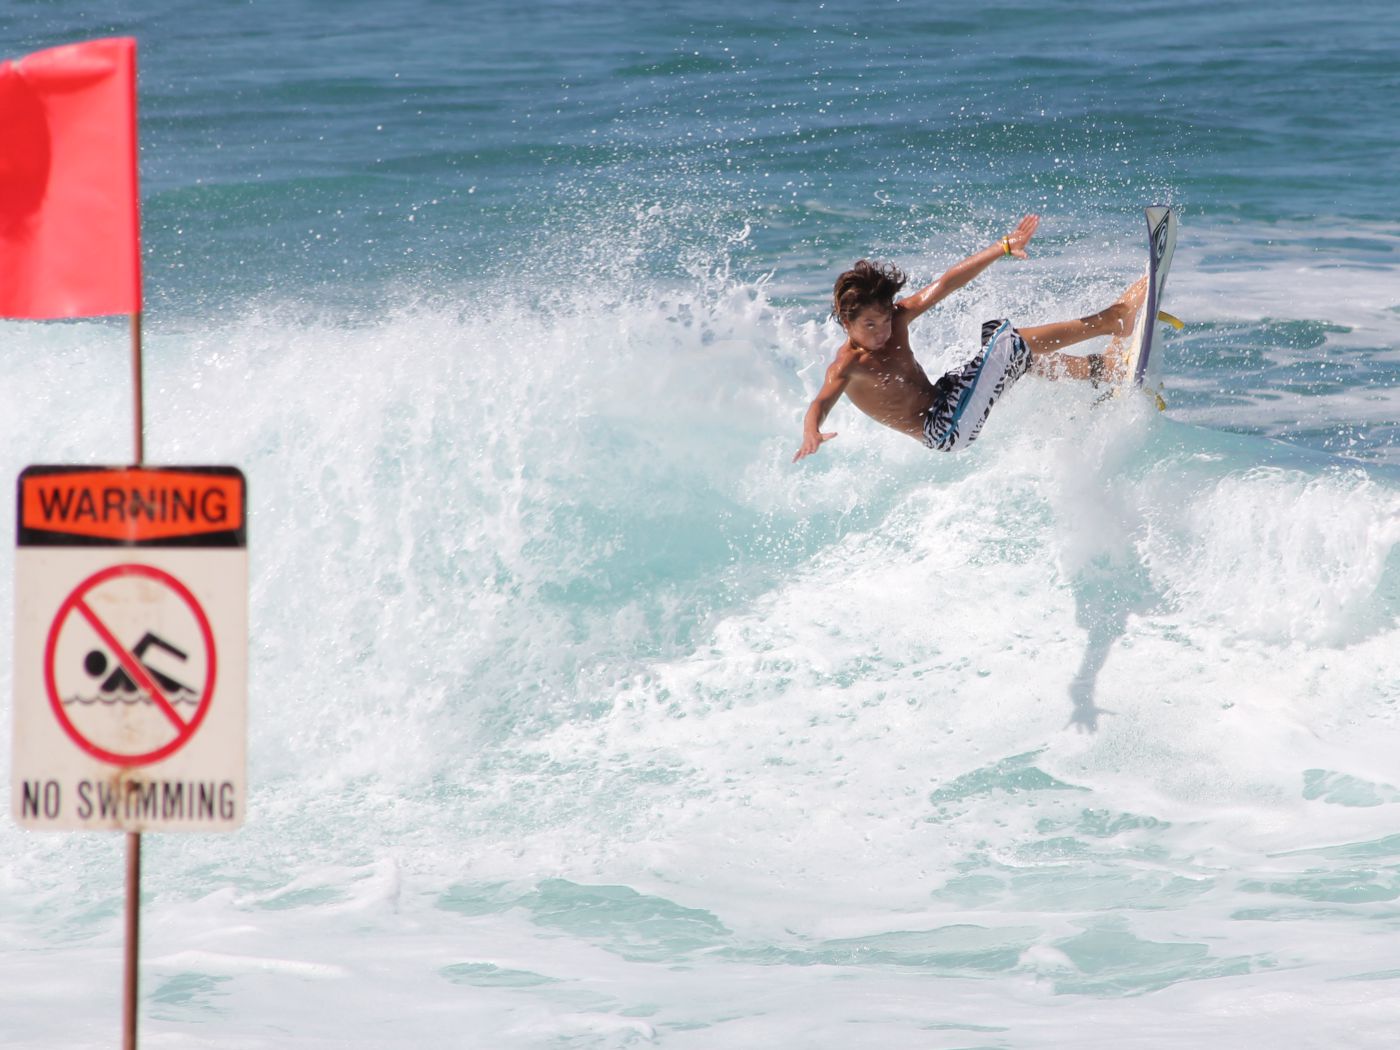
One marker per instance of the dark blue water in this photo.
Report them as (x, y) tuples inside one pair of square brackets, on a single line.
[(310, 144)]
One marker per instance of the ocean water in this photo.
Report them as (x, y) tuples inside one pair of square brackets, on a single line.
[(580, 717)]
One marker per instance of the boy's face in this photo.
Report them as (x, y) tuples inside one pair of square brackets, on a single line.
[(871, 327)]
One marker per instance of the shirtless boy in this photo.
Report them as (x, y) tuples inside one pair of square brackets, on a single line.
[(875, 368)]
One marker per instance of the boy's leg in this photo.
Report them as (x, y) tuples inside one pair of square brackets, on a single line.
[(1116, 321)]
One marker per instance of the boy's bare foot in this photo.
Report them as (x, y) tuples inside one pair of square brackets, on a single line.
[(1122, 315), (1125, 310)]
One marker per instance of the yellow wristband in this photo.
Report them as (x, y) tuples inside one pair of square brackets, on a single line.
[(1006, 246)]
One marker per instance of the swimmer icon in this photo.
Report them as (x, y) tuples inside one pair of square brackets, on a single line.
[(96, 663)]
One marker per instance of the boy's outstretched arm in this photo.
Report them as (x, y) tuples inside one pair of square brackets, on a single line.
[(1014, 243), (837, 376)]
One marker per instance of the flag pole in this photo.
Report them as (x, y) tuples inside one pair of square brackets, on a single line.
[(133, 838), (136, 391), (133, 938)]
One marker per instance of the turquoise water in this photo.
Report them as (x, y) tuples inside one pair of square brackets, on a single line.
[(580, 716)]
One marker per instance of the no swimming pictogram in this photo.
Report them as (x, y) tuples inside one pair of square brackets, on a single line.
[(131, 637), (130, 664)]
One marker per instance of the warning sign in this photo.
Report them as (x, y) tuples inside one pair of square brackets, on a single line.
[(130, 648)]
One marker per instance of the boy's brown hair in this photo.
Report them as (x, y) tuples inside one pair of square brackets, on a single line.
[(865, 284)]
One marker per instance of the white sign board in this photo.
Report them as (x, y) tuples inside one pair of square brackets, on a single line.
[(131, 639)]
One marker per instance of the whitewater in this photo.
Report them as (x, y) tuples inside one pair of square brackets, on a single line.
[(580, 716)]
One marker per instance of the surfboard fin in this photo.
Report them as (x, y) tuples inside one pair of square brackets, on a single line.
[(1175, 322)]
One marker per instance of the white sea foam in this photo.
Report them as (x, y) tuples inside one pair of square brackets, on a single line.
[(581, 716)]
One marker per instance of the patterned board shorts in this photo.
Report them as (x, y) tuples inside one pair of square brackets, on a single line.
[(964, 397)]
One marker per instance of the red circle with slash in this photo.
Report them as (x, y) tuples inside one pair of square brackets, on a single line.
[(76, 605)]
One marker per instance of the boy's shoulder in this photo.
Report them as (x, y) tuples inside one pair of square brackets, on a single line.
[(847, 356)]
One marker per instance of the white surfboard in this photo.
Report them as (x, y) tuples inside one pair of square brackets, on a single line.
[(1142, 366)]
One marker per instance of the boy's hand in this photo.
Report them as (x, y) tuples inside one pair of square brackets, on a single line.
[(811, 444), (1021, 236)]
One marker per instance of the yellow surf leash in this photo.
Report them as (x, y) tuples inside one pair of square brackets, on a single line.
[(1156, 395), (1178, 324)]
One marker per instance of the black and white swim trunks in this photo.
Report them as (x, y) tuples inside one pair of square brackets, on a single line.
[(963, 398)]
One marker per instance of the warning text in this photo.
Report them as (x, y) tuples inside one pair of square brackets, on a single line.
[(132, 505), (124, 802)]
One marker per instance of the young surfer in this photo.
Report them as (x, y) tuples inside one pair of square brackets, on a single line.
[(876, 369)]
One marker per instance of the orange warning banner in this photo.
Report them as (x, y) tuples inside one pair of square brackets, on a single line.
[(131, 505)]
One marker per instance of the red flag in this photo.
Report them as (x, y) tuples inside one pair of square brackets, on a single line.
[(70, 242)]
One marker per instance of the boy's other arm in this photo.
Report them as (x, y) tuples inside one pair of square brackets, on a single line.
[(837, 378), (1014, 243)]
